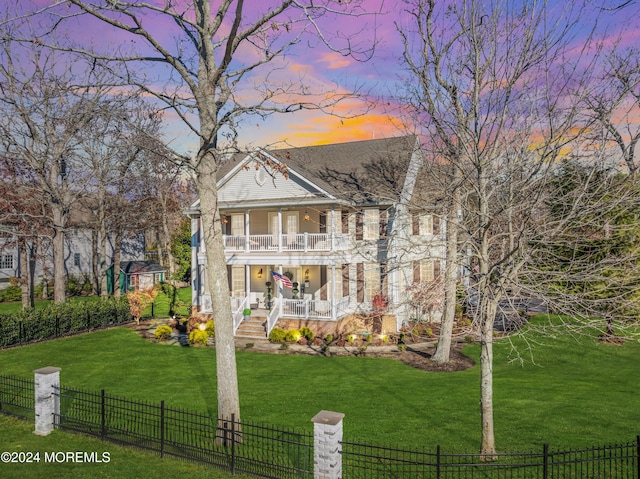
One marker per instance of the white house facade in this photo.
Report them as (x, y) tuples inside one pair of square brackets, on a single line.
[(339, 229)]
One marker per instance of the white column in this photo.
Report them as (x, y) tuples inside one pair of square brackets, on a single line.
[(280, 287), (195, 268), (327, 449), (246, 231), (280, 233), (247, 282), (334, 312), (47, 403)]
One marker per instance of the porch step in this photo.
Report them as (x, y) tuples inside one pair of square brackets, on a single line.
[(254, 328)]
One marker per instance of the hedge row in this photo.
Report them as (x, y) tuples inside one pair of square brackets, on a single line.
[(62, 320)]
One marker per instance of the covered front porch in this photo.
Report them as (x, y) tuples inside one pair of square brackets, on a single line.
[(305, 292)]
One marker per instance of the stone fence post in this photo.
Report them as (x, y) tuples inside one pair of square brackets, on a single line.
[(47, 403), (327, 449)]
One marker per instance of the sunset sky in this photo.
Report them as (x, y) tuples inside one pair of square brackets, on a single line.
[(329, 71)]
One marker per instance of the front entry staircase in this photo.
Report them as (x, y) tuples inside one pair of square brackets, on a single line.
[(253, 328)]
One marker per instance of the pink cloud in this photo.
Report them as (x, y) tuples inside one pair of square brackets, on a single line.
[(335, 60)]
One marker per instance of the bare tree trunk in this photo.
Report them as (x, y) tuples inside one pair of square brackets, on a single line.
[(59, 273), (25, 276), (104, 290), (488, 310), (228, 398), (117, 255), (160, 247), (166, 236), (443, 350), (95, 271), (33, 249)]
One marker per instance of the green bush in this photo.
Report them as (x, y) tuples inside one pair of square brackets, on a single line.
[(86, 287), (328, 338), (11, 293), (198, 337), (74, 288), (307, 333), (163, 333), (246, 312), (292, 336), (64, 319), (210, 329), (277, 335)]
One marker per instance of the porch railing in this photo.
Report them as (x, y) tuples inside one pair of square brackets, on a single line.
[(307, 308), (342, 306), (274, 314), (286, 242), (238, 310)]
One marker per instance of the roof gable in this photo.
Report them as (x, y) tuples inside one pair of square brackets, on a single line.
[(251, 180), (360, 172)]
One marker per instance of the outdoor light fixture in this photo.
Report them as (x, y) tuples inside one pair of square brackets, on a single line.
[(260, 273), (306, 275), (224, 220), (306, 216)]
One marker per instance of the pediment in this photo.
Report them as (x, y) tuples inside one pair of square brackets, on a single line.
[(252, 181)]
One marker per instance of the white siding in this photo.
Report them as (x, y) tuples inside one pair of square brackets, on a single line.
[(244, 187)]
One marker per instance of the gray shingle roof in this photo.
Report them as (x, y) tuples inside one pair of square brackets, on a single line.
[(361, 171)]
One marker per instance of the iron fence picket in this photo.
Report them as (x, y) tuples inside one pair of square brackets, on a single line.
[(231, 445), (362, 461), (17, 396)]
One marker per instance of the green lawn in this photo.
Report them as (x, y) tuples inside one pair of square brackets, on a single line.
[(577, 393), (123, 462)]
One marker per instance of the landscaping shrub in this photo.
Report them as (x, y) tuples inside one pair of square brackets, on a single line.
[(62, 319), (163, 333), (74, 288), (307, 333), (328, 338), (292, 336), (11, 293), (198, 337), (139, 300), (210, 329), (277, 335)]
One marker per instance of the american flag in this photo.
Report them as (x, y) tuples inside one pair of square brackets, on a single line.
[(283, 279)]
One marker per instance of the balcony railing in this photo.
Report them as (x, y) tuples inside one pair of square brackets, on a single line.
[(286, 242)]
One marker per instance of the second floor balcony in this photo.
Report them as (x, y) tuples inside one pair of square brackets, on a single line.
[(301, 242)]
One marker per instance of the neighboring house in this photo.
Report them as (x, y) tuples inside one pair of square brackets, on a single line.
[(80, 257), (8, 256), (340, 225), (137, 275)]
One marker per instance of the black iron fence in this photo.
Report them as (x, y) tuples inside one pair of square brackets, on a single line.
[(228, 444), (620, 461), (17, 396), (58, 320), (276, 452)]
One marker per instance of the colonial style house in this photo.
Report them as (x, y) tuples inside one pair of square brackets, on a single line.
[(332, 235)]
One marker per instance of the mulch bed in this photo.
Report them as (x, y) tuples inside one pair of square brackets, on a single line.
[(417, 355)]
